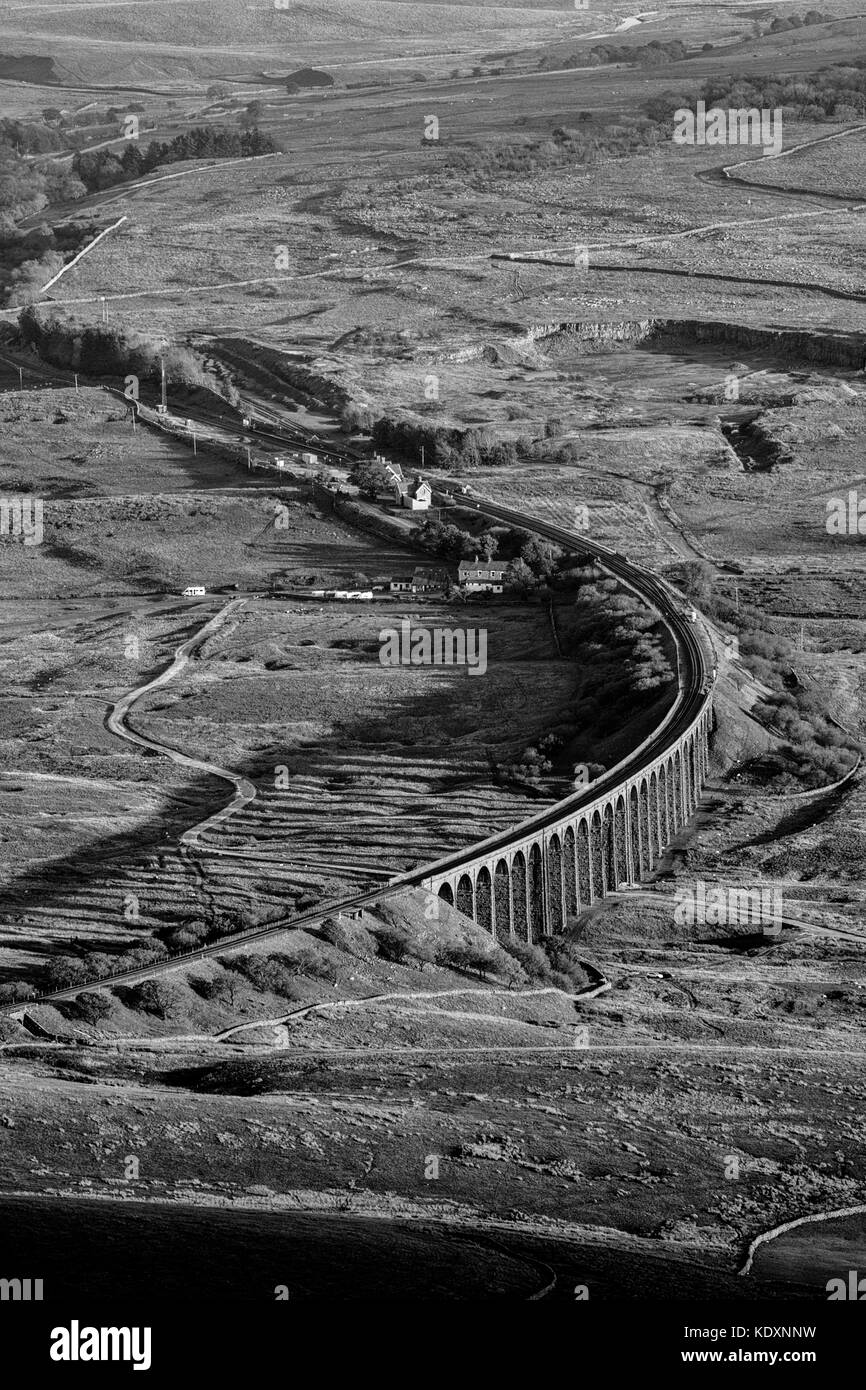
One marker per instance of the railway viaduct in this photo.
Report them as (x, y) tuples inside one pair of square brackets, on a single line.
[(530, 886), (528, 881)]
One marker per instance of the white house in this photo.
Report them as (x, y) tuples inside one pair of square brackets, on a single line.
[(417, 496), (482, 576)]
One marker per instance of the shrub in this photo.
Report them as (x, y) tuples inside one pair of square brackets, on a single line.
[(531, 957), (89, 1007), (219, 989), (276, 974), (63, 972), (306, 961), (147, 953), (393, 944), (151, 996), (351, 937), (15, 991), (507, 967), (471, 959), (187, 936), (565, 961)]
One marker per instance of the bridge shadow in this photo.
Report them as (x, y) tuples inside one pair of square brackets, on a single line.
[(416, 741), (78, 879)]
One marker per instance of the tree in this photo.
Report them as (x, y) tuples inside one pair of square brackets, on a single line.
[(541, 556), (697, 579), (132, 161), (252, 114), (92, 1007), (466, 958), (15, 991), (393, 944), (487, 545), (152, 996), (65, 971), (522, 577), (367, 477), (220, 989)]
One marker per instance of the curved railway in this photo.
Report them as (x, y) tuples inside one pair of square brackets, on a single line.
[(690, 710), (696, 676)]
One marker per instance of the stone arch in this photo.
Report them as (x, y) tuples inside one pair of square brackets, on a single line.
[(608, 849), (584, 864), (688, 779), (484, 900), (536, 894), (655, 839), (446, 894), (569, 865), (620, 840), (672, 804), (634, 836), (679, 801), (464, 899), (502, 899), (664, 808), (643, 799), (554, 884), (519, 923), (596, 857)]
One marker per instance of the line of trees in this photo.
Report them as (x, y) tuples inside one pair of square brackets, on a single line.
[(99, 169), (833, 93), (622, 649), (814, 751), (102, 349), (448, 446)]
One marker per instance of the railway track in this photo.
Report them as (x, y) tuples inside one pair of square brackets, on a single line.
[(695, 678)]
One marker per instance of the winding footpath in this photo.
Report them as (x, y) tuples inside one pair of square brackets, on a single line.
[(116, 723)]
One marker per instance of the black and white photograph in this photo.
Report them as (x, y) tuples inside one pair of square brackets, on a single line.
[(433, 651)]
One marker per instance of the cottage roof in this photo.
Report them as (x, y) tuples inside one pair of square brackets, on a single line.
[(483, 566)]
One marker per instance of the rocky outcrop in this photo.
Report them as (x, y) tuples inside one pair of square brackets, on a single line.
[(837, 349)]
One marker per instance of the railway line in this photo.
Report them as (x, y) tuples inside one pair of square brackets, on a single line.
[(695, 682), (696, 674)]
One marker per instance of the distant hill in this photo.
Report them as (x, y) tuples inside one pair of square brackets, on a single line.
[(176, 40)]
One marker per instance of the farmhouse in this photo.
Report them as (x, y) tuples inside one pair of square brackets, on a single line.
[(422, 581), (482, 576), (429, 581)]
